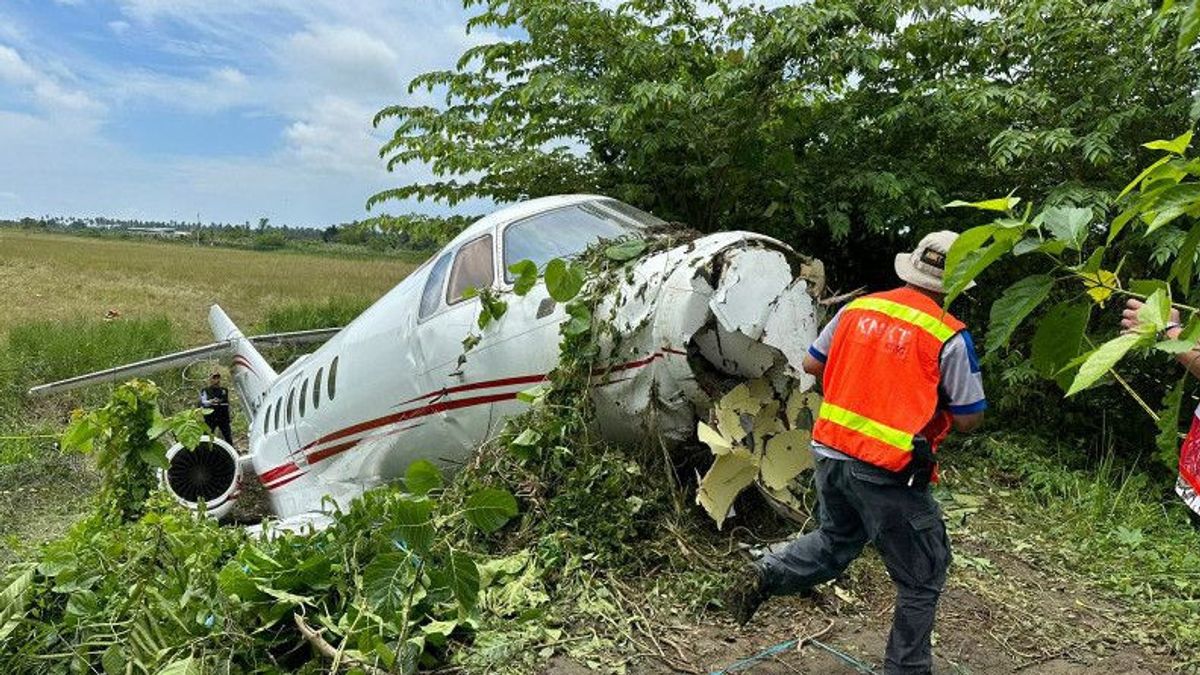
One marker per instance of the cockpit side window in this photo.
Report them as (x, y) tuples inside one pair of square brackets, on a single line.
[(473, 268), (561, 233), (431, 296)]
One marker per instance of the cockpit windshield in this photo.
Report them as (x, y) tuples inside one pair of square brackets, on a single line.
[(569, 230)]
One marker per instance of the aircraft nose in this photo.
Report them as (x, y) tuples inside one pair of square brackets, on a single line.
[(732, 307), (762, 313)]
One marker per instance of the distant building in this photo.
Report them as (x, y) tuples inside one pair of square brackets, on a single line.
[(159, 232)]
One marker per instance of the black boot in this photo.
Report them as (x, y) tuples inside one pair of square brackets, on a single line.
[(745, 594)]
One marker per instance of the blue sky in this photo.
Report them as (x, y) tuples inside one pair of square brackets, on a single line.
[(226, 110)]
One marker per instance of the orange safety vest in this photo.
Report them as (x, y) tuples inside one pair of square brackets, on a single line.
[(881, 378)]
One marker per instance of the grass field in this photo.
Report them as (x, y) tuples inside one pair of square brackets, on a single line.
[(57, 277)]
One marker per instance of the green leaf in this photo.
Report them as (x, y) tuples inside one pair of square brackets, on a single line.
[(998, 204), (188, 666), (153, 456), (421, 477), (1059, 337), (437, 632), (1034, 245), (1172, 202), (1147, 287), (1141, 176), (80, 435), (533, 394), (1011, 308), (1175, 347), (1167, 439), (1177, 145), (463, 578), (1156, 311), (235, 582), (975, 263), (525, 273), (490, 508), (967, 243), (1102, 360), (580, 320), (1068, 224), (625, 250), (1189, 29), (1122, 220), (1182, 270), (388, 579), (564, 280), (113, 660), (414, 524)]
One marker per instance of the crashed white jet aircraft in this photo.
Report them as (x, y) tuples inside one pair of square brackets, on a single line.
[(389, 388)]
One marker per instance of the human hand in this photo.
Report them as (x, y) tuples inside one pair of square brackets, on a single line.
[(1130, 320)]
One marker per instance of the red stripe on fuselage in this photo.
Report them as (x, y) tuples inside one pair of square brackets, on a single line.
[(488, 384), (441, 406), (239, 360), (286, 481), (278, 472)]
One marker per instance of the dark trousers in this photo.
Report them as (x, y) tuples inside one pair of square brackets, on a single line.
[(861, 503), (216, 422)]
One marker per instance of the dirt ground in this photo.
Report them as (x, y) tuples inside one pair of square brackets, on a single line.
[(1008, 617)]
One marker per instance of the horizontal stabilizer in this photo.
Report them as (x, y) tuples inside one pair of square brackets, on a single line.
[(182, 359)]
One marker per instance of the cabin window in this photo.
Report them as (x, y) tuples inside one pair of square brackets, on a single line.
[(291, 405), (278, 409), (473, 268), (267, 419), (303, 396), (333, 378), (433, 289), (561, 233), (317, 388)]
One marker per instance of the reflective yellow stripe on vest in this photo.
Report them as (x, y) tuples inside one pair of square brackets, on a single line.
[(866, 426), (927, 322)]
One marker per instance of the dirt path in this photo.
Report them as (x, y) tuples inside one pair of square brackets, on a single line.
[(1006, 617), (1000, 613)]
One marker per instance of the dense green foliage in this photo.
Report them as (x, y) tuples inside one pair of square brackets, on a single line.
[(838, 126), (1148, 252), (142, 586)]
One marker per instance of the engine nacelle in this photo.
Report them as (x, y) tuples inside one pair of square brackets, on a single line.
[(211, 472)]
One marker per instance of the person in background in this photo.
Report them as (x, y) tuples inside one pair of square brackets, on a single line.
[(214, 397), (1188, 484), (898, 372)]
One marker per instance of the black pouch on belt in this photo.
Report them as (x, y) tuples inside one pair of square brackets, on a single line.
[(920, 468)]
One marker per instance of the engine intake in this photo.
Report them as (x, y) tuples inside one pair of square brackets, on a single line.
[(209, 473)]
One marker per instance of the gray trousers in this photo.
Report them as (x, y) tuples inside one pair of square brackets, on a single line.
[(861, 503)]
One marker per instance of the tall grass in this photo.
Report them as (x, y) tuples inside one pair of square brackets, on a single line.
[(1106, 519), (42, 351), (330, 313)]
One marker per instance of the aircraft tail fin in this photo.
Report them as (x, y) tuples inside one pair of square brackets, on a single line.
[(252, 375)]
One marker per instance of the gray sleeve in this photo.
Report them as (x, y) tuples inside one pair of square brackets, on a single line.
[(819, 350), (962, 381)]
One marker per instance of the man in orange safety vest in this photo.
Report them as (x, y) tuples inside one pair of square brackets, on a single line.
[(898, 373)]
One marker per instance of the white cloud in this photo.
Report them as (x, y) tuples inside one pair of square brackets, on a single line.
[(43, 88), (118, 28), (13, 68), (215, 90)]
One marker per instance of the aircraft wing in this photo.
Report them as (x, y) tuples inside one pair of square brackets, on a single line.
[(180, 359)]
